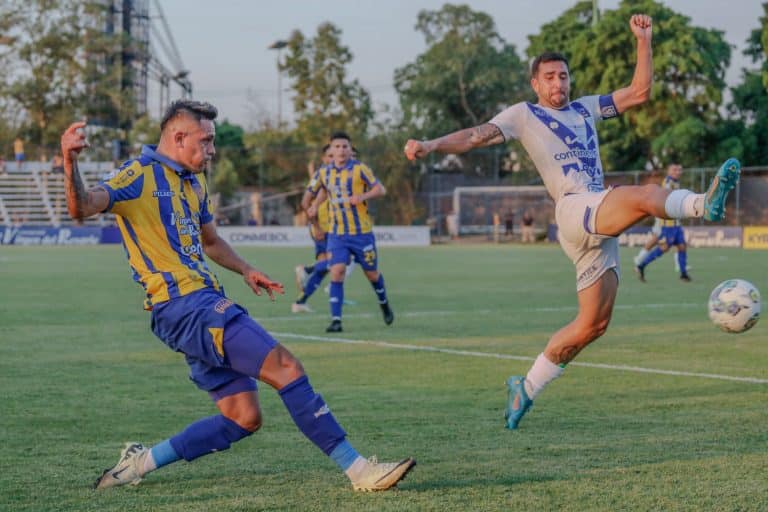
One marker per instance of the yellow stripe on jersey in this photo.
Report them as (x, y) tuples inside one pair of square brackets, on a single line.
[(160, 209), (354, 178)]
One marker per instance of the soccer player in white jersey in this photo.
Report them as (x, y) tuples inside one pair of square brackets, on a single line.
[(560, 137)]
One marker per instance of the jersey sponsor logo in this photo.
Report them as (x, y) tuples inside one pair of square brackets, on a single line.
[(163, 193), (576, 153), (192, 249)]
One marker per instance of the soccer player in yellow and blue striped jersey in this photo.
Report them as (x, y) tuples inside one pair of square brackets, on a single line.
[(349, 185), (671, 234), (164, 214), (309, 277)]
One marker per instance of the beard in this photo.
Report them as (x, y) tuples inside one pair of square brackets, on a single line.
[(559, 100)]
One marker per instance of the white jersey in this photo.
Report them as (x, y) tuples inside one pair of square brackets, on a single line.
[(563, 144)]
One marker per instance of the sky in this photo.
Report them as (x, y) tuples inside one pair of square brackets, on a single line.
[(224, 43)]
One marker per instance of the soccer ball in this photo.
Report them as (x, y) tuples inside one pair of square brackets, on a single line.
[(734, 305)]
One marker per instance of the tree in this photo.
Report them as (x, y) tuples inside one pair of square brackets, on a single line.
[(749, 107), (56, 65), (324, 99), (466, 75), (689, 78)]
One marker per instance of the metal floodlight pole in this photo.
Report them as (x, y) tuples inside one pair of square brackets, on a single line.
[(279, 45)]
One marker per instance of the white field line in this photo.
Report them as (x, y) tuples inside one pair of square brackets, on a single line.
[(472, 353), (554, 309)]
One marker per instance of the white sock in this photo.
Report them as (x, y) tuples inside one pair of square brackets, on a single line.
[(541, 373), (677, 262), (357, 467), (350, 269), (683, 204), (641, 255), (149, 463)]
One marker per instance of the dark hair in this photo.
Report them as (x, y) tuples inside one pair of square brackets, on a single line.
[(196, 109), (340, 135), (325, 149), (547, 57)]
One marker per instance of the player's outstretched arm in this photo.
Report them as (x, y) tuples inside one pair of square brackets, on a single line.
[(223, 254), (457, 142), (639, 91), (81, 203)]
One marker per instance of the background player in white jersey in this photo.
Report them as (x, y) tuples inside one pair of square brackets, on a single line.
[(560, 137), (670, 234)]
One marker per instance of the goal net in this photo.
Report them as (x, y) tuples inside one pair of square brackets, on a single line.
[(490, 209)]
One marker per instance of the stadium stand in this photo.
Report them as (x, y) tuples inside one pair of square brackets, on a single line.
[(35, 195)]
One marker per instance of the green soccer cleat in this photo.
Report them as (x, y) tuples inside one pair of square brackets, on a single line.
[(128, 469), (518, 402), (724, 181)]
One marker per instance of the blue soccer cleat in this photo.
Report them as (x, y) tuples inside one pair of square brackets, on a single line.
[(724, 181), (518, 402)]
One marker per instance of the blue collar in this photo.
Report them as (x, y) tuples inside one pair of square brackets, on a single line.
[(151, 152), (349, 165)]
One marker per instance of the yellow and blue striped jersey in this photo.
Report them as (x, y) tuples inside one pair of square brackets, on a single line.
[(354, 178), (323, 219), (160, 208), (670, 183)]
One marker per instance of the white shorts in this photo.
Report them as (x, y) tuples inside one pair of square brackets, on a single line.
[(592, 254)]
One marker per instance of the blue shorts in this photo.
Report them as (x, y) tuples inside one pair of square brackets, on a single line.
[(321, 246), (360, 247), (19, 157), (223, 346), (672, 235)]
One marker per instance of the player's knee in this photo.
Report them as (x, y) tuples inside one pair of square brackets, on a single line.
[(248, 418), (285, 368)]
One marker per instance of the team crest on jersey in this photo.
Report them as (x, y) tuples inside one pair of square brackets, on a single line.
[(222, 305), (608, 111)]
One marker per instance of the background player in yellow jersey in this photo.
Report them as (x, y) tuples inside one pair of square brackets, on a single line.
[(671, 234), (348, 184), (309, 277), (164, 214)]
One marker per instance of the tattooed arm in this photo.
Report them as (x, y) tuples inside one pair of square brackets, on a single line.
[(457, 142), (81, 203)]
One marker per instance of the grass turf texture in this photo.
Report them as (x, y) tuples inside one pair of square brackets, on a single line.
[(81, 373)]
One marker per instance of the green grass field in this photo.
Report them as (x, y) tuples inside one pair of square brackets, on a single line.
[(81, 373)]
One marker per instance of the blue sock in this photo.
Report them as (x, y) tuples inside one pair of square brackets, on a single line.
[(344, 455), (380, 289), (682, 261), (312, 283), (311, 415), (164, 454), (337, 299), (655, 253), (208, 435)]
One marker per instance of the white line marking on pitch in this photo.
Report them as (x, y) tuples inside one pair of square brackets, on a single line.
[(472, 353)]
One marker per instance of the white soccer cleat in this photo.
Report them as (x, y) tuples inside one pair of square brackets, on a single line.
[(128, 469), (380, 476), (301, 308)]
